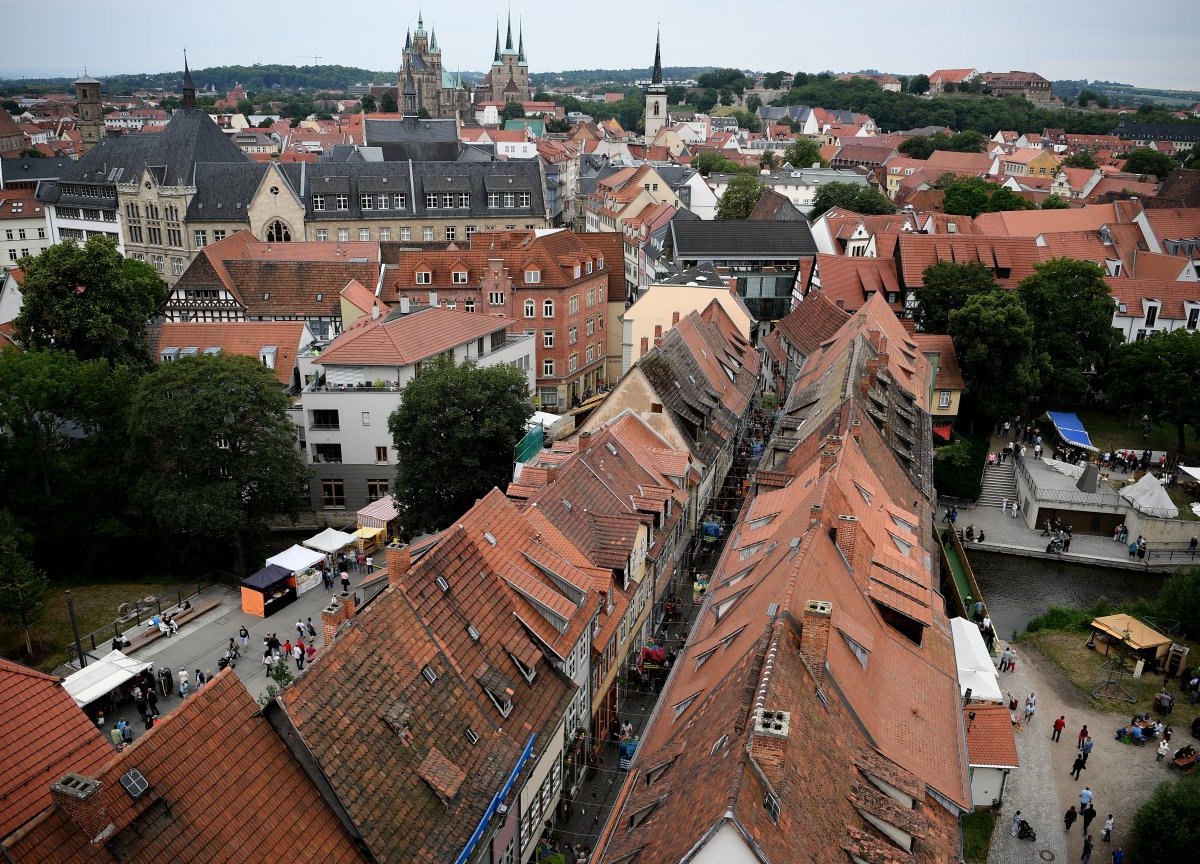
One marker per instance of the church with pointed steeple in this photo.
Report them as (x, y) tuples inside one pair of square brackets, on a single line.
[(508, 79), (656, 96), (439, 93)]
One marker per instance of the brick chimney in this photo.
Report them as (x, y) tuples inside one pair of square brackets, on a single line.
[(674, 318), (828, 460), (768, 743), (80, 798), (657, 335), (847, 535), (331, 619), (814, 634), (645, 345), (856, 430), (815, 513), (398, 561)]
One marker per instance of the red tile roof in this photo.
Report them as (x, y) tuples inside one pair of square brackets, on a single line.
[(849, 282), (202, 804), (43, 735), (1014, 255), (812, 322), (20, 204), (990, 739), (245, 338), (408, 339), (1171, 294), (949, 375), (1175, 223)]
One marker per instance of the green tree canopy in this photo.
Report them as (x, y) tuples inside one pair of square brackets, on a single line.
[(1080, 159), (1006, 199), (993, 337), (1143, 160), (512, 111), (23, 587), (918, 146), (918, 84), (768, 160), (773, 80), (1179, 600), (715, 163), (803, 154), (1054, 202), (1071, 307), (455, 431), (369, 106), (967, 196), (215, 451), (1158, 376), (851, 196), (61, 465), (90, 300), (387, 103), (740, 196), (946, 287), (1166, 829)]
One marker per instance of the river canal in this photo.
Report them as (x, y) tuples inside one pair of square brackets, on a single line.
[(1017, 589)]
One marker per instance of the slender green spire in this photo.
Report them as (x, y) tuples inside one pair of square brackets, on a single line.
[(496, 59), (508, 46), (521, 43), (433, 40), (656, 75)]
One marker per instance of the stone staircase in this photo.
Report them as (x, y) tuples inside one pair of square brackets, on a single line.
[(999, 482)]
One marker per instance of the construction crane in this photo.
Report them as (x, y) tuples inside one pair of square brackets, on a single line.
[(313, 57)]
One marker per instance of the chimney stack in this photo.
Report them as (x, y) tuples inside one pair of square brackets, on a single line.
[(433, 298), (828, 460), (674, 318), (847, 535), (856, 430), (398, 561), (374, 311), (341, 609), (768, 743), (814, 634), (645, 345), (657, 335), (80, 799)]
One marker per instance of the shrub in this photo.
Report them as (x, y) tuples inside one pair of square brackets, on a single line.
[(958, 467)]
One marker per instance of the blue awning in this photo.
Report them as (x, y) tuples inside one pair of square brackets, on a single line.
[(1070, 429)]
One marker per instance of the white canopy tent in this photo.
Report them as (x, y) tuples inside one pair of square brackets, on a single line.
[(975, 670), (101, 677), (1194, 473), (330, 540), (297, 559), (1149, 498)]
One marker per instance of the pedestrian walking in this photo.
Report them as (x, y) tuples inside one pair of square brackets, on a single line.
[(1106, 834), (1059, 725), (1067, 543), (1030, 707), (1083, 733), (1004, 506), (1016, 823), (1069, 818), (345, 582), (1087, 749), (1085, 798), (244, 635), (299, 628), (298, 655), (1005, 657), (1118, 856), (1086, 857), (1163, 747), (287, 648), (1079, 765), (1088, 814), (312, 631)]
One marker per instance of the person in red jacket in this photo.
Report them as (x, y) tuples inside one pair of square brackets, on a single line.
[(1059, 725)]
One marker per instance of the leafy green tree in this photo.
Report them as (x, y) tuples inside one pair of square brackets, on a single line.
[(803, 154), (1179, 600), (1071, 307), (423, 113), (1143, 160), (993, 337), (61, 470), (553, 124), (918, 146), (851, 196), (215, 451), (715, 163), (773, 80), (740, 196), (456, 430), (1054, 202), (753, 103), (1006, 199), (245, 106), (1158, 376), (23, 587), (726, 96), (1080, 159), (1167, 827), (748, 121), (90, 300), (387, 103), (947, 286), (369, 106), (768, 160), (918, 84), (512, 111), (967, 196), (1086, 96)]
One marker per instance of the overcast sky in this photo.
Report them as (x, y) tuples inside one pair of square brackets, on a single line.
[(1095, 39)]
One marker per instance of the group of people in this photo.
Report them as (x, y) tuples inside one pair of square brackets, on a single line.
[(1015, 505), (971, 536), (1130, 460), (275, 651), (1137, 549)]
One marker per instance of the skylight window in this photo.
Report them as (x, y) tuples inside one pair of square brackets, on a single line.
[(903, 545), (680, 707)]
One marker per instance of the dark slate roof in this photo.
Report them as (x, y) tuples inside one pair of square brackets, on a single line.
[(705, 275), (189, 138), (1159, 131), (413, 178), (223, 191), (402, 129), (741, 239), (351, 153), (26, 170), (675, 175)]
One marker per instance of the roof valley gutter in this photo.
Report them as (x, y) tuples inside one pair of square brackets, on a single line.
[(498, 797)]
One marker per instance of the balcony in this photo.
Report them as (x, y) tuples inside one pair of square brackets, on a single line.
[(361, 387)]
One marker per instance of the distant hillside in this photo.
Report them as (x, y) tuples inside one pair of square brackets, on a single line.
[(581, 77), (257, 77), (1127, 94)]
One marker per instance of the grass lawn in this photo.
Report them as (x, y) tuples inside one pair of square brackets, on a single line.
[(1068, 651), (978, 826), (95, 607), (1110, 432)]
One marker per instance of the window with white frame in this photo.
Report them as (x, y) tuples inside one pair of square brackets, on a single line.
[(495, 298), (322, 235), (364, 234), (431, 200), (523, 200), (341, 202), (548, 366), (533, 277), (427, 234), (200, 239), (157, 261), (468, 305), (218, 234), (574, 304), (459, 277), (493, 199), (450, 232), (572, 362), (471, 229), (381, 201), (176, 266), (464, 199), (530, 308), (405, 235), (944, 399), (399, 200), (448, 200), (590, 326), (385, 234), (573, 334), (343, 235), (591, 354), (509, 199), (547, 308), (366, 201), (547, 338), (424, 277)]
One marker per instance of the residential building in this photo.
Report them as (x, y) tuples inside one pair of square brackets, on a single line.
[(1026, 162), (947, 381), (849, 282), (1028, 85), (623, 193), (1182, 135), (862, 153), (553, 284), (1009, 259), (241, 278), (692, 189), (26, 173), (277, 345), (151, 800), (799, 185), (10, 294), (939, 78), (357, 384), (642, 245), (12, 139), (991, 751), (764, 258), (23, 228), (798, 335), (1148, 306)]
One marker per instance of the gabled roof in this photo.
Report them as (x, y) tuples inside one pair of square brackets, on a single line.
[(402, 340), (960, 163), (812, 322), (741, 238), (949, 375), (990, 741), (849, 281), (1012, 258), (1031, 223), (245, 338), (43, 735), (1172, 295), (188, 813), (1174, 223)]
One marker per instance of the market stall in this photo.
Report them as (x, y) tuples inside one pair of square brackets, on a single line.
[(303, 564), (101, 677), (268, 590), (1140, 640), (381, 513), (976, 674), (1070, 429), (370, 539)]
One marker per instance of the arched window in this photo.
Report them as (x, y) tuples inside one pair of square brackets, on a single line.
[(656, 108), (277, 232), (547, 308), (529, 308)]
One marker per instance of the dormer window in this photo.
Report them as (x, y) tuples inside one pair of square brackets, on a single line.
[(424, 277), (1151, 315), (459, 277), (533, 277), (501, 700), (527, 672)]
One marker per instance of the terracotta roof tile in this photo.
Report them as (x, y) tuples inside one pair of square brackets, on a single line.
[(408, 339), (244, 338), (990, 740)]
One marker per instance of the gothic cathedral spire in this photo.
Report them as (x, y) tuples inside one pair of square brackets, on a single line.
[(521, 43), (189, 88), (496, 59), (508, 46), (656, 75)]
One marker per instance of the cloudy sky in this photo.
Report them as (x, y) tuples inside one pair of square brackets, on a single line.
[(1094, 39)]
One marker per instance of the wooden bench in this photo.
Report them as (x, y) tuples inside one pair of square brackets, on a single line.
[(1186, 764), (148, 633)]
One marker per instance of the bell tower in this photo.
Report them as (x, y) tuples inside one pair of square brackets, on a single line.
[(91, 115), (656, 97)]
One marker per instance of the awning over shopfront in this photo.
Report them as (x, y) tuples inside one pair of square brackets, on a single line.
[(975, 670), (1069, 428), (297, 559), (368, 533), (270, 575), (329, 540), (379, 513), (101, 677)]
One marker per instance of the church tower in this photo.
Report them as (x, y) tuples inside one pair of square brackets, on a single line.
[(656, 97), (91, 115)]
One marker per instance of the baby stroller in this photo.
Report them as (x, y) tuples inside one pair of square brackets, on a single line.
[(1025, 831)]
